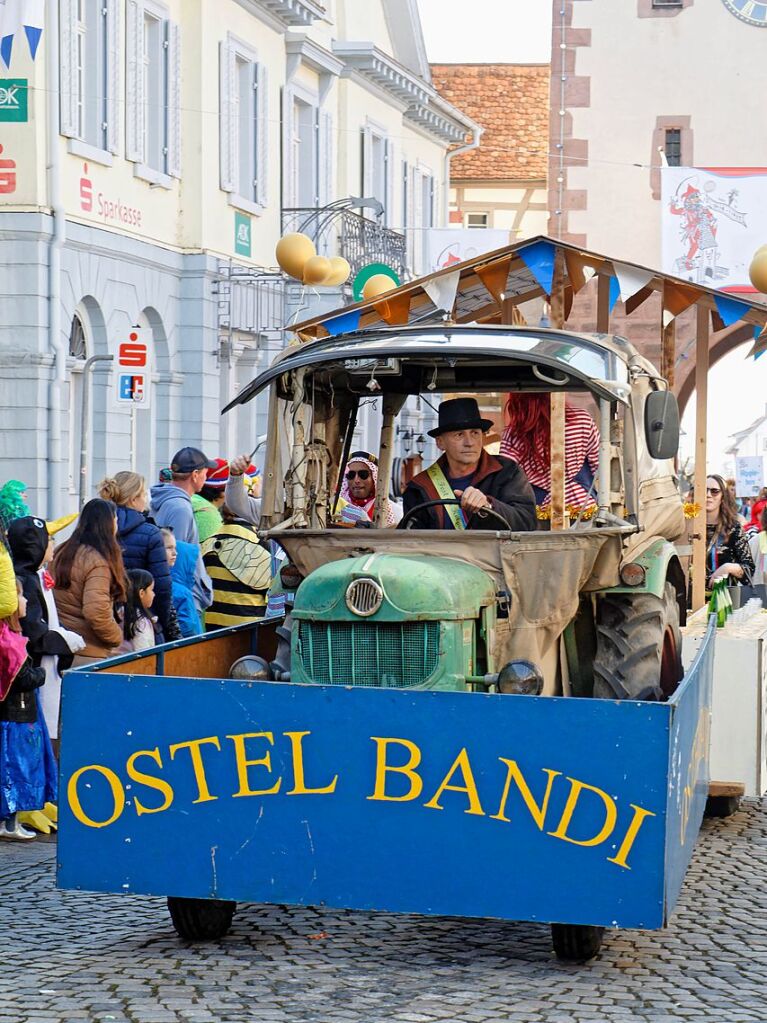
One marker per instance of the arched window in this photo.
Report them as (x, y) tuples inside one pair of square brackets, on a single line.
[(77, 342), (78, 351)]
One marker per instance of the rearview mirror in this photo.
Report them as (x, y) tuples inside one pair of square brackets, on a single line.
[(661, 424)]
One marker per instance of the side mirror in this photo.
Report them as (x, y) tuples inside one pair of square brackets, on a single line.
[(661, 424)]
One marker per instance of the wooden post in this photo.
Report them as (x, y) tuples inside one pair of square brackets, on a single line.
[(603, 304), (557, 451), (701, 409), (668, 353)]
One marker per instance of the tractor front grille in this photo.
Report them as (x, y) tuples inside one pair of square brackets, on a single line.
[(393, 655)]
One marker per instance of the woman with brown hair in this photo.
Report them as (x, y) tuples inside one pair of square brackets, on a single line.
[(142, 544), (727, 551), (90, 580)]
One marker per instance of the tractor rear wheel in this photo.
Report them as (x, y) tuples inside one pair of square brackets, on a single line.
[(576, 943), (639, 646), (201, 919)]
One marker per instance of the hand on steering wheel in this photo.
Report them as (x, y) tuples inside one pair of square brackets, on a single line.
[(407, 520)]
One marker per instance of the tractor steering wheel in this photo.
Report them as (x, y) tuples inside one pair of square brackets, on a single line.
[(406, 522)]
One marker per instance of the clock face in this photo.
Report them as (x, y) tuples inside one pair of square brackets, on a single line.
[(753, 12)]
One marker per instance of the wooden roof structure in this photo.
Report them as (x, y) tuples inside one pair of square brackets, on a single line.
[(491, 287)]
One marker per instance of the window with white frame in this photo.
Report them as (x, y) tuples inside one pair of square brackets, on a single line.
[(244, 124), (422, 216), (89, 73), (308, 152), (378, 168), (477, 219), (153, 92)]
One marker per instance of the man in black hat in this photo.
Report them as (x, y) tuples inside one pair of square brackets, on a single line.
[(465, 472)]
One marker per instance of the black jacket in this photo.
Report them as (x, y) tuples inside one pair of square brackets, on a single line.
[(28, 540), (20, 705), (500, 479)]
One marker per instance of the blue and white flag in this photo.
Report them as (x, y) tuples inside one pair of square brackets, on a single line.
[(17, 16)]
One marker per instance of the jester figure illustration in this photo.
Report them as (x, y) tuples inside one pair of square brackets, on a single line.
[(700, 211)]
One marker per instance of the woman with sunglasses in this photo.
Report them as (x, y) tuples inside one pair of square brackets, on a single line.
[(727, 551), (358, 491)]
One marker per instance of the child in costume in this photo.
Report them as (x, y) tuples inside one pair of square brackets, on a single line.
[(27, 765), (138, 623), (182, 558), (50, 645)]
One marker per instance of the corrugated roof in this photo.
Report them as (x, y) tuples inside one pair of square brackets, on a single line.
[(511, 102)]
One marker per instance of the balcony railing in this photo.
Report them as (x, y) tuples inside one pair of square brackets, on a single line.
[(340, 232)]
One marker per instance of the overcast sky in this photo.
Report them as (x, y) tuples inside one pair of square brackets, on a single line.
[(487, 31)]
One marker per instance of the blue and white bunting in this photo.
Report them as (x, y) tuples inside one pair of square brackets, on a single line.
[(17, 17)]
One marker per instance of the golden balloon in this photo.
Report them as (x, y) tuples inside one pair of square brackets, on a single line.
[(339, 272), (378, 284), (292, 252), (316, 269), (758, 271)]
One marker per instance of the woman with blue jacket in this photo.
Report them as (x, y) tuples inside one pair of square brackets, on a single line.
[(142, 543)]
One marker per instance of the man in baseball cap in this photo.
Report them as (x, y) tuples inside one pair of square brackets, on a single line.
[(171, 508)]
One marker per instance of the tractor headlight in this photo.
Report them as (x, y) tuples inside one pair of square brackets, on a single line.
[(520, 678), (632, 574)]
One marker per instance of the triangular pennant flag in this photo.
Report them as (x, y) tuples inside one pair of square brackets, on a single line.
[(730, 310), (442, 290), (344, 323), (569, 296), (717, 323), (539, 259), (760, 344), (580, 268), (615, 292), (678, 297), (10, 26), (396, 310), (494, 277), (631, 279), (33, 20), (668, 317), (633, 303)]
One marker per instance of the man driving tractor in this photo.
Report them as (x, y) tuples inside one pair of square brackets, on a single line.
[(467, 488)]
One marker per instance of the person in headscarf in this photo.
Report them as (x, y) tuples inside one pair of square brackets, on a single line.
[(358, 491)]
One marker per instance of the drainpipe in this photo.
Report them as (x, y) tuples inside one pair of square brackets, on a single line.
[(476, 137), (85, 424), (58, 237)]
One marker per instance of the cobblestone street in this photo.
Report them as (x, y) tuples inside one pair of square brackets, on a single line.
[(71, 956)]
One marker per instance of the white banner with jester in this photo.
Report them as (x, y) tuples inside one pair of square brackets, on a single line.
[(713, 221)]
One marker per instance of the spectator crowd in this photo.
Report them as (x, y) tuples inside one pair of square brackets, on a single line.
[(142, 566)]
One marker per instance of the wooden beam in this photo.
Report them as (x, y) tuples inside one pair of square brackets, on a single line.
[(557, 453), (701, 413), (668, 353), (603, 304)]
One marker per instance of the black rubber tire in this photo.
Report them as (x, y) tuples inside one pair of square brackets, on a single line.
[(639, 646), (576, 943), (721, 806), (201, 919)]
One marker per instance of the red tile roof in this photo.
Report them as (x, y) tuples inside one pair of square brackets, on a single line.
[(511, 102)]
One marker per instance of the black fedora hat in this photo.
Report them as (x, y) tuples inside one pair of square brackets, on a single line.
[(460, 414)]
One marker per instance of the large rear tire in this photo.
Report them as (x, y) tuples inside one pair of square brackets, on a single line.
[(576, 943), (639, 646), (201, 919)]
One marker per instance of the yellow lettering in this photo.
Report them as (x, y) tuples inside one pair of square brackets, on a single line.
[(243, 764), (469, 786), (611, 814), (203, 795), (630, 837), (149, 780), (299, 780), (538, 813), (118, 795), (408, 769)]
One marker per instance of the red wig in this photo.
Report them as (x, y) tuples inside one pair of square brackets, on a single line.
[(528, 417)]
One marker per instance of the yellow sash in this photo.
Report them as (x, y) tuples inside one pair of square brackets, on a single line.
[(441, 485)]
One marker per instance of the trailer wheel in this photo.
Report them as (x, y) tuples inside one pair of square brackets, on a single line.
[(639, 646), (201, 919), (575, 943)]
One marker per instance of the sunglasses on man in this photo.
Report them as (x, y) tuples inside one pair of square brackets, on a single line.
[(363, 474)]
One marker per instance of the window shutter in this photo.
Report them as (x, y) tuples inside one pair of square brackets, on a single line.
[(262, 134), (227, 116), (288, 170), (174, 100), (135, 99), (391, 163), (68, 68), (112, 28), (327, 159), (367, 162)]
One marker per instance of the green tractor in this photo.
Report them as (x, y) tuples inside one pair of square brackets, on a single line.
[(592, 610)]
